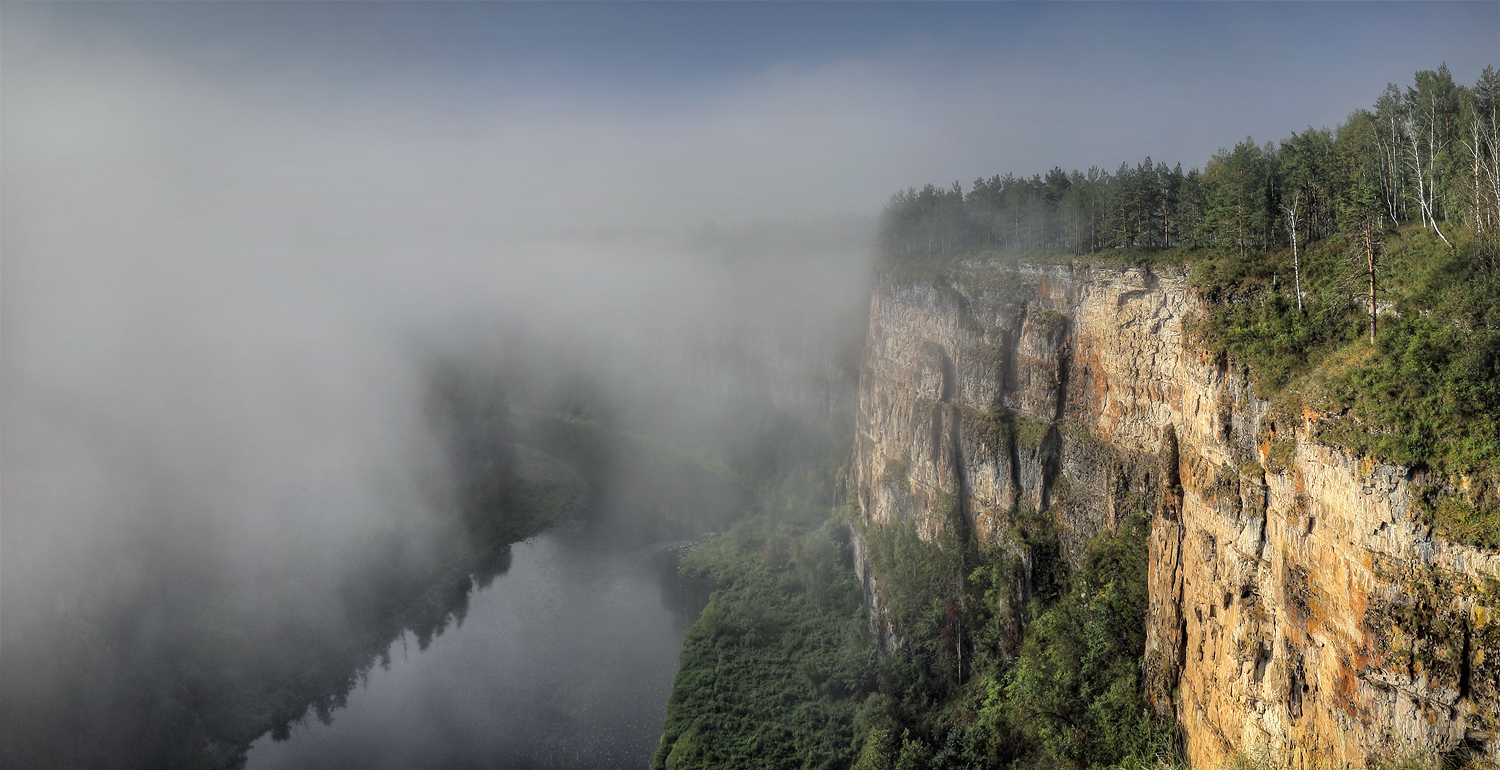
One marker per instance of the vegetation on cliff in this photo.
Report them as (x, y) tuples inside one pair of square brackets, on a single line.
[(1426, 393), (774, 672), (997, 656), (1004, 656), (1356, 272)]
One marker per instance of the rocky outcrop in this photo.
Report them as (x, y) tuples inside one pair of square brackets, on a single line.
[(1298, 606)]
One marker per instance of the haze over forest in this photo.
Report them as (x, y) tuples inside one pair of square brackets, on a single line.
[(237, 238)]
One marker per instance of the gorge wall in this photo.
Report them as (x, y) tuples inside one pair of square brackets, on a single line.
[(1299, 609)]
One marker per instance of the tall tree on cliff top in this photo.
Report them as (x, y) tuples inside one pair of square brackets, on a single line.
[(1169, 183), (1431, 119), (1293, 208), (1481, 143), (984, 204), (1388, 148), (1306, 164), (1192, 207), (1362, 217), (1305, 158), (1237, 186), (1054, 189)]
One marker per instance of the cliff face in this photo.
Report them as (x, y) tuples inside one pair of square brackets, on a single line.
[(1297, 605)]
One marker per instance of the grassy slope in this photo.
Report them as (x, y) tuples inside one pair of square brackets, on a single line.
[(1427, 392)]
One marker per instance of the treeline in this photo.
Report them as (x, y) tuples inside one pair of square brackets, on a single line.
[(1429, 154)]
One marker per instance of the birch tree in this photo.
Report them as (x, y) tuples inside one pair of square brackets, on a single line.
[(1428, 122), (1306, 162), (1387, 123), (1482, 142), (1291, 216)]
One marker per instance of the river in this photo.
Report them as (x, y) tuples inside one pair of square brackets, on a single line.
[(565, 661)]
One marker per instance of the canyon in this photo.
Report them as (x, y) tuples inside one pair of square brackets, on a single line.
[(1300, 609)]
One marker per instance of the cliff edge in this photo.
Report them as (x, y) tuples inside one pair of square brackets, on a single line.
[(1299, 607)]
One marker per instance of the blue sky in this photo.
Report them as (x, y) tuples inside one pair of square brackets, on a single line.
[(861, 98)]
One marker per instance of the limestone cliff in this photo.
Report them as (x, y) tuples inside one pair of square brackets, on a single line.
[(1297, 604)]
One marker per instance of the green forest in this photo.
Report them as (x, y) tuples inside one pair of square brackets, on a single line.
[(1427, 154)]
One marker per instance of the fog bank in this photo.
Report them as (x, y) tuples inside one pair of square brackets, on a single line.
[(223, 305)]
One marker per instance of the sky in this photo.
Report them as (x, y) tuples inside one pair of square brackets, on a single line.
[(645, 114)]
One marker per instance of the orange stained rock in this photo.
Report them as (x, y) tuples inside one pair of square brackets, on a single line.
[(1123, 387)]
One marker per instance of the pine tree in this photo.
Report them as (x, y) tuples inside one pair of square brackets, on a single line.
[(1362, 221)]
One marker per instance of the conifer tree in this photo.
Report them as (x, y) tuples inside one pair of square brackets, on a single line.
[(1362, 217)]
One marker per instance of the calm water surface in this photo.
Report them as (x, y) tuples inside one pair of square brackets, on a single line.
[(565, 661)]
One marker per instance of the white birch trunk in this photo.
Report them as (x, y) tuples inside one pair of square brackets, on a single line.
[(1291, 212)]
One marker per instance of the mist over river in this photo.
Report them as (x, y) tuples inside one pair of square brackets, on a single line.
[(565, 661), (235, 466)]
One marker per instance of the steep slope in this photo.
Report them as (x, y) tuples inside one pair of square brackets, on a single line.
[(1297, 604)]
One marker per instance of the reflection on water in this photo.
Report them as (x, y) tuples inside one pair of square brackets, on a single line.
[(565, 661)]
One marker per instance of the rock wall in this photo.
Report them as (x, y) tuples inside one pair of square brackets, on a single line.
[(1298, 607)]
